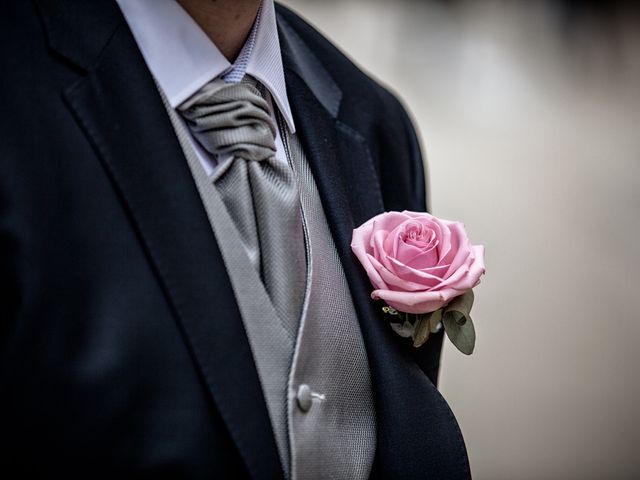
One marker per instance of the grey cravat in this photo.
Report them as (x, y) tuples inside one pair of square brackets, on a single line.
[(259, 191)]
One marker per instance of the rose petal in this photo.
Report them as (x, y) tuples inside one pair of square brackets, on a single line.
[(468, 275), (395, 235), (361, 236), (404, 252), (389, 221), (416, 302), (373, 269), (396, 283), (437, 271), (459, 237), (378, 239), (405, 272), (426, 259), (445, 248)]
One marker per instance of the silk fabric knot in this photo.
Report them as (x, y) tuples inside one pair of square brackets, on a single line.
[(231, 119)]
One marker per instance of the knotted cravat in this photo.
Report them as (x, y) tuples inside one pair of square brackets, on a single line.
[(232, 121)]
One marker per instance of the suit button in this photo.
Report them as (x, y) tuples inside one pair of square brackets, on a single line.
[(304, 397)]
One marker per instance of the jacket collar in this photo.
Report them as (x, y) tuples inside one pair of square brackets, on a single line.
[(299, 59)]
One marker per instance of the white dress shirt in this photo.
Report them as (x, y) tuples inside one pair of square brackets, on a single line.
[(183, 59)]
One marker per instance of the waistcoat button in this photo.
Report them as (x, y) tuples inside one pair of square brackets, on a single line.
[(304, 397)]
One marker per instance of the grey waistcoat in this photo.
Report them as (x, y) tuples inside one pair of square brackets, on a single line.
[(315, 378)]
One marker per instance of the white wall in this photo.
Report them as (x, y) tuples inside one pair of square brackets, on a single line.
[(533, 139)]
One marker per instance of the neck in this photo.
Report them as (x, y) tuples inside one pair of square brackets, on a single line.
[(226, 22)]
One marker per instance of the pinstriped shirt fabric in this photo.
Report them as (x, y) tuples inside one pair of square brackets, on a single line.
[(239, 67)]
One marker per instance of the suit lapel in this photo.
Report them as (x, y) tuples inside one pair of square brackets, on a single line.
[(412, 442), (118, 106)]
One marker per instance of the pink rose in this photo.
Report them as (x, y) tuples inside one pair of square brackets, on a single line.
[(417, 262)]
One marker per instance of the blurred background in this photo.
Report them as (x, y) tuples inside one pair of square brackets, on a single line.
[(529, 114)]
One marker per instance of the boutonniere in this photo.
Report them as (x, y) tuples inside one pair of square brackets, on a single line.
[(424, 269)]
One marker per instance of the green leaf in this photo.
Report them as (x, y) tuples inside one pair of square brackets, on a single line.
[(425, 324), (405, 329), (462, 336), (461, 303), (434, 320), (421, 332), (458, 324)]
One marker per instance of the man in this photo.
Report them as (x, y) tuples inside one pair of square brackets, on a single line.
[(178, 187)]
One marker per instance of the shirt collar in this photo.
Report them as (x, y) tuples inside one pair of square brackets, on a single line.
[(183, 59)]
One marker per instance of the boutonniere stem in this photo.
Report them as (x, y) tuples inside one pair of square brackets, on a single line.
[(455, 317)]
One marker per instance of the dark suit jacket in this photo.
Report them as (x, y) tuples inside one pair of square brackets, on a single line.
[(122, 351)]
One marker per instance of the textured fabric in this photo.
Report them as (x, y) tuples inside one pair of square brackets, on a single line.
[(239, 67), (336, 438), (271, 340), (260, 193)]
